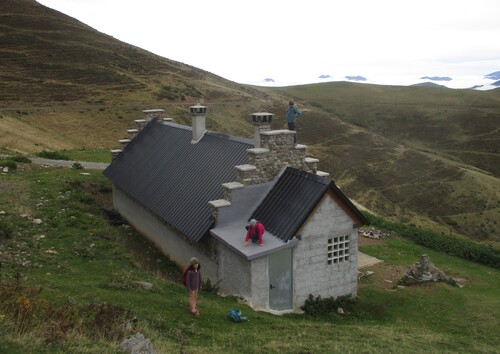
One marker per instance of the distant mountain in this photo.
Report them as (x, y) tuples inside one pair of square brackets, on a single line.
[(496, 83), (324, 77), (436, 78), (268, 79), (493, 76), (428, 84), (355, 78)]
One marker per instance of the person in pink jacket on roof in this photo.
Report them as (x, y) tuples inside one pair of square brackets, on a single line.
[(254, 232)]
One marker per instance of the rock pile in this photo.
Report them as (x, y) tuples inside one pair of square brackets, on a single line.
[(424, 272), (372, 233)]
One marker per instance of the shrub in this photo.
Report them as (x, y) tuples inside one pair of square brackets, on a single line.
[(77, 166), (53, 155), (8, 163), (22, 307), (452, 245), (6, 230), (209, 288), (20, 159), (316, 306)]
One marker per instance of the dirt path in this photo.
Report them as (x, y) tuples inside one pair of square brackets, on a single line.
[(69, 164)]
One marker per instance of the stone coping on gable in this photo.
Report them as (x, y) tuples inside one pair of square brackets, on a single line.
[(311, 160), (278, 132), (219, 203), (155, 110), (245, 167), (258, 151), (232, 185)]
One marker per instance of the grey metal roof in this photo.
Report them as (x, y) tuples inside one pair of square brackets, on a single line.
[(175, 179), (292, 199)]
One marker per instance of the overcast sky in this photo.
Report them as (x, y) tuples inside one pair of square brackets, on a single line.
[(296, 41)]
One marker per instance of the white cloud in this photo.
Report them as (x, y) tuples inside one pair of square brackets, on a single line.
[(294, 39)]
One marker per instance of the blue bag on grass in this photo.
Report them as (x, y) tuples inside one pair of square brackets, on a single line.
[(235, 315)]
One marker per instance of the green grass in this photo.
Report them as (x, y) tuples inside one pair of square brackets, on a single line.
[(86, 155), (80, 258), (89, 155)]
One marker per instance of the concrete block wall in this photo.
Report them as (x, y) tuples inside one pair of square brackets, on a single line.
[(167, 239), (235, 272), (260, 283), (312, 273)]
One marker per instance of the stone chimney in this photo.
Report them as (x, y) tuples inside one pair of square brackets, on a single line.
[(198, 113), (261, 122), (153, 113)]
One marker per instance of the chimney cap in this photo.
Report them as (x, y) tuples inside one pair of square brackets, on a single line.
[(198, 109), (262, 118)]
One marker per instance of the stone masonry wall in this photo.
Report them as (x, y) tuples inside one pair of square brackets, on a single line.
[(276, 152)]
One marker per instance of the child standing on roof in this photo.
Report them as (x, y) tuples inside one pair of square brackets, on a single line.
[(254, 232), (193, 284)]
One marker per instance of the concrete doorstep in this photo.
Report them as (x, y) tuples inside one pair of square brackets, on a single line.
[(365, 260)]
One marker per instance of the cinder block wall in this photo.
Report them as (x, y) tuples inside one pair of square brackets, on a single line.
[(167, 239), (312, 273), (260, 283), (235, 272)]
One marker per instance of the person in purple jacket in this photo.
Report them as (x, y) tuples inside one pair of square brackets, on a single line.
[(193, 284)]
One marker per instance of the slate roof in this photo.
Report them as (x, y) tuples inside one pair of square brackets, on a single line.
[(175, 179), (292, 199)]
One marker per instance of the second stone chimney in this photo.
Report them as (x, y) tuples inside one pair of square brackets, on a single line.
[(198, 113), (261, 122)]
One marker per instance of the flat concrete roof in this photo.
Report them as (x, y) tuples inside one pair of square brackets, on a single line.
[(232, 220)]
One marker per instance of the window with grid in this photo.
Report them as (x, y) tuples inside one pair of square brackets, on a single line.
[(338, 249)]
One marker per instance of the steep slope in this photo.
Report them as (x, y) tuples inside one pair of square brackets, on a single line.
[(75, 86)]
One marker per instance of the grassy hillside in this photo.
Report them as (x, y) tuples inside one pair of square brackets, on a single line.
[(71, 272), (427, 156), (407, 152)]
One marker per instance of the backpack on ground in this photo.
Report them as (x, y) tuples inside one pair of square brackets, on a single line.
[(235, 315), (184, 275)]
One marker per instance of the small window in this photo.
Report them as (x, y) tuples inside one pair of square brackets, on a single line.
[(338, 249)]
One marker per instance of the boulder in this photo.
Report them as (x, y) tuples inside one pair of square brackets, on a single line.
[(137, 344)]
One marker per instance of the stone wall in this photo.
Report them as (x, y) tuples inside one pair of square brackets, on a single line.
[(276, 152)]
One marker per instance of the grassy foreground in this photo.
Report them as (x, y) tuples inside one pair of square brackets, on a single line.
[(63, 256)]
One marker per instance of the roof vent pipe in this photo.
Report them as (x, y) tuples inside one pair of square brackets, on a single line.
[(198, 113)]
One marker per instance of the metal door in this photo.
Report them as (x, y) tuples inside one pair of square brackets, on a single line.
[(280, 280)]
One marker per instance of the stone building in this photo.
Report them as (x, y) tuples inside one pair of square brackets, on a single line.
[(192, 192)]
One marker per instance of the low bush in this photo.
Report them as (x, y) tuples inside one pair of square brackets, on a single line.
[(20, 159), (28, 312), (211, 288), (53, 155), (452, 245), (8, 163), (316, 306), (6, 230)]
